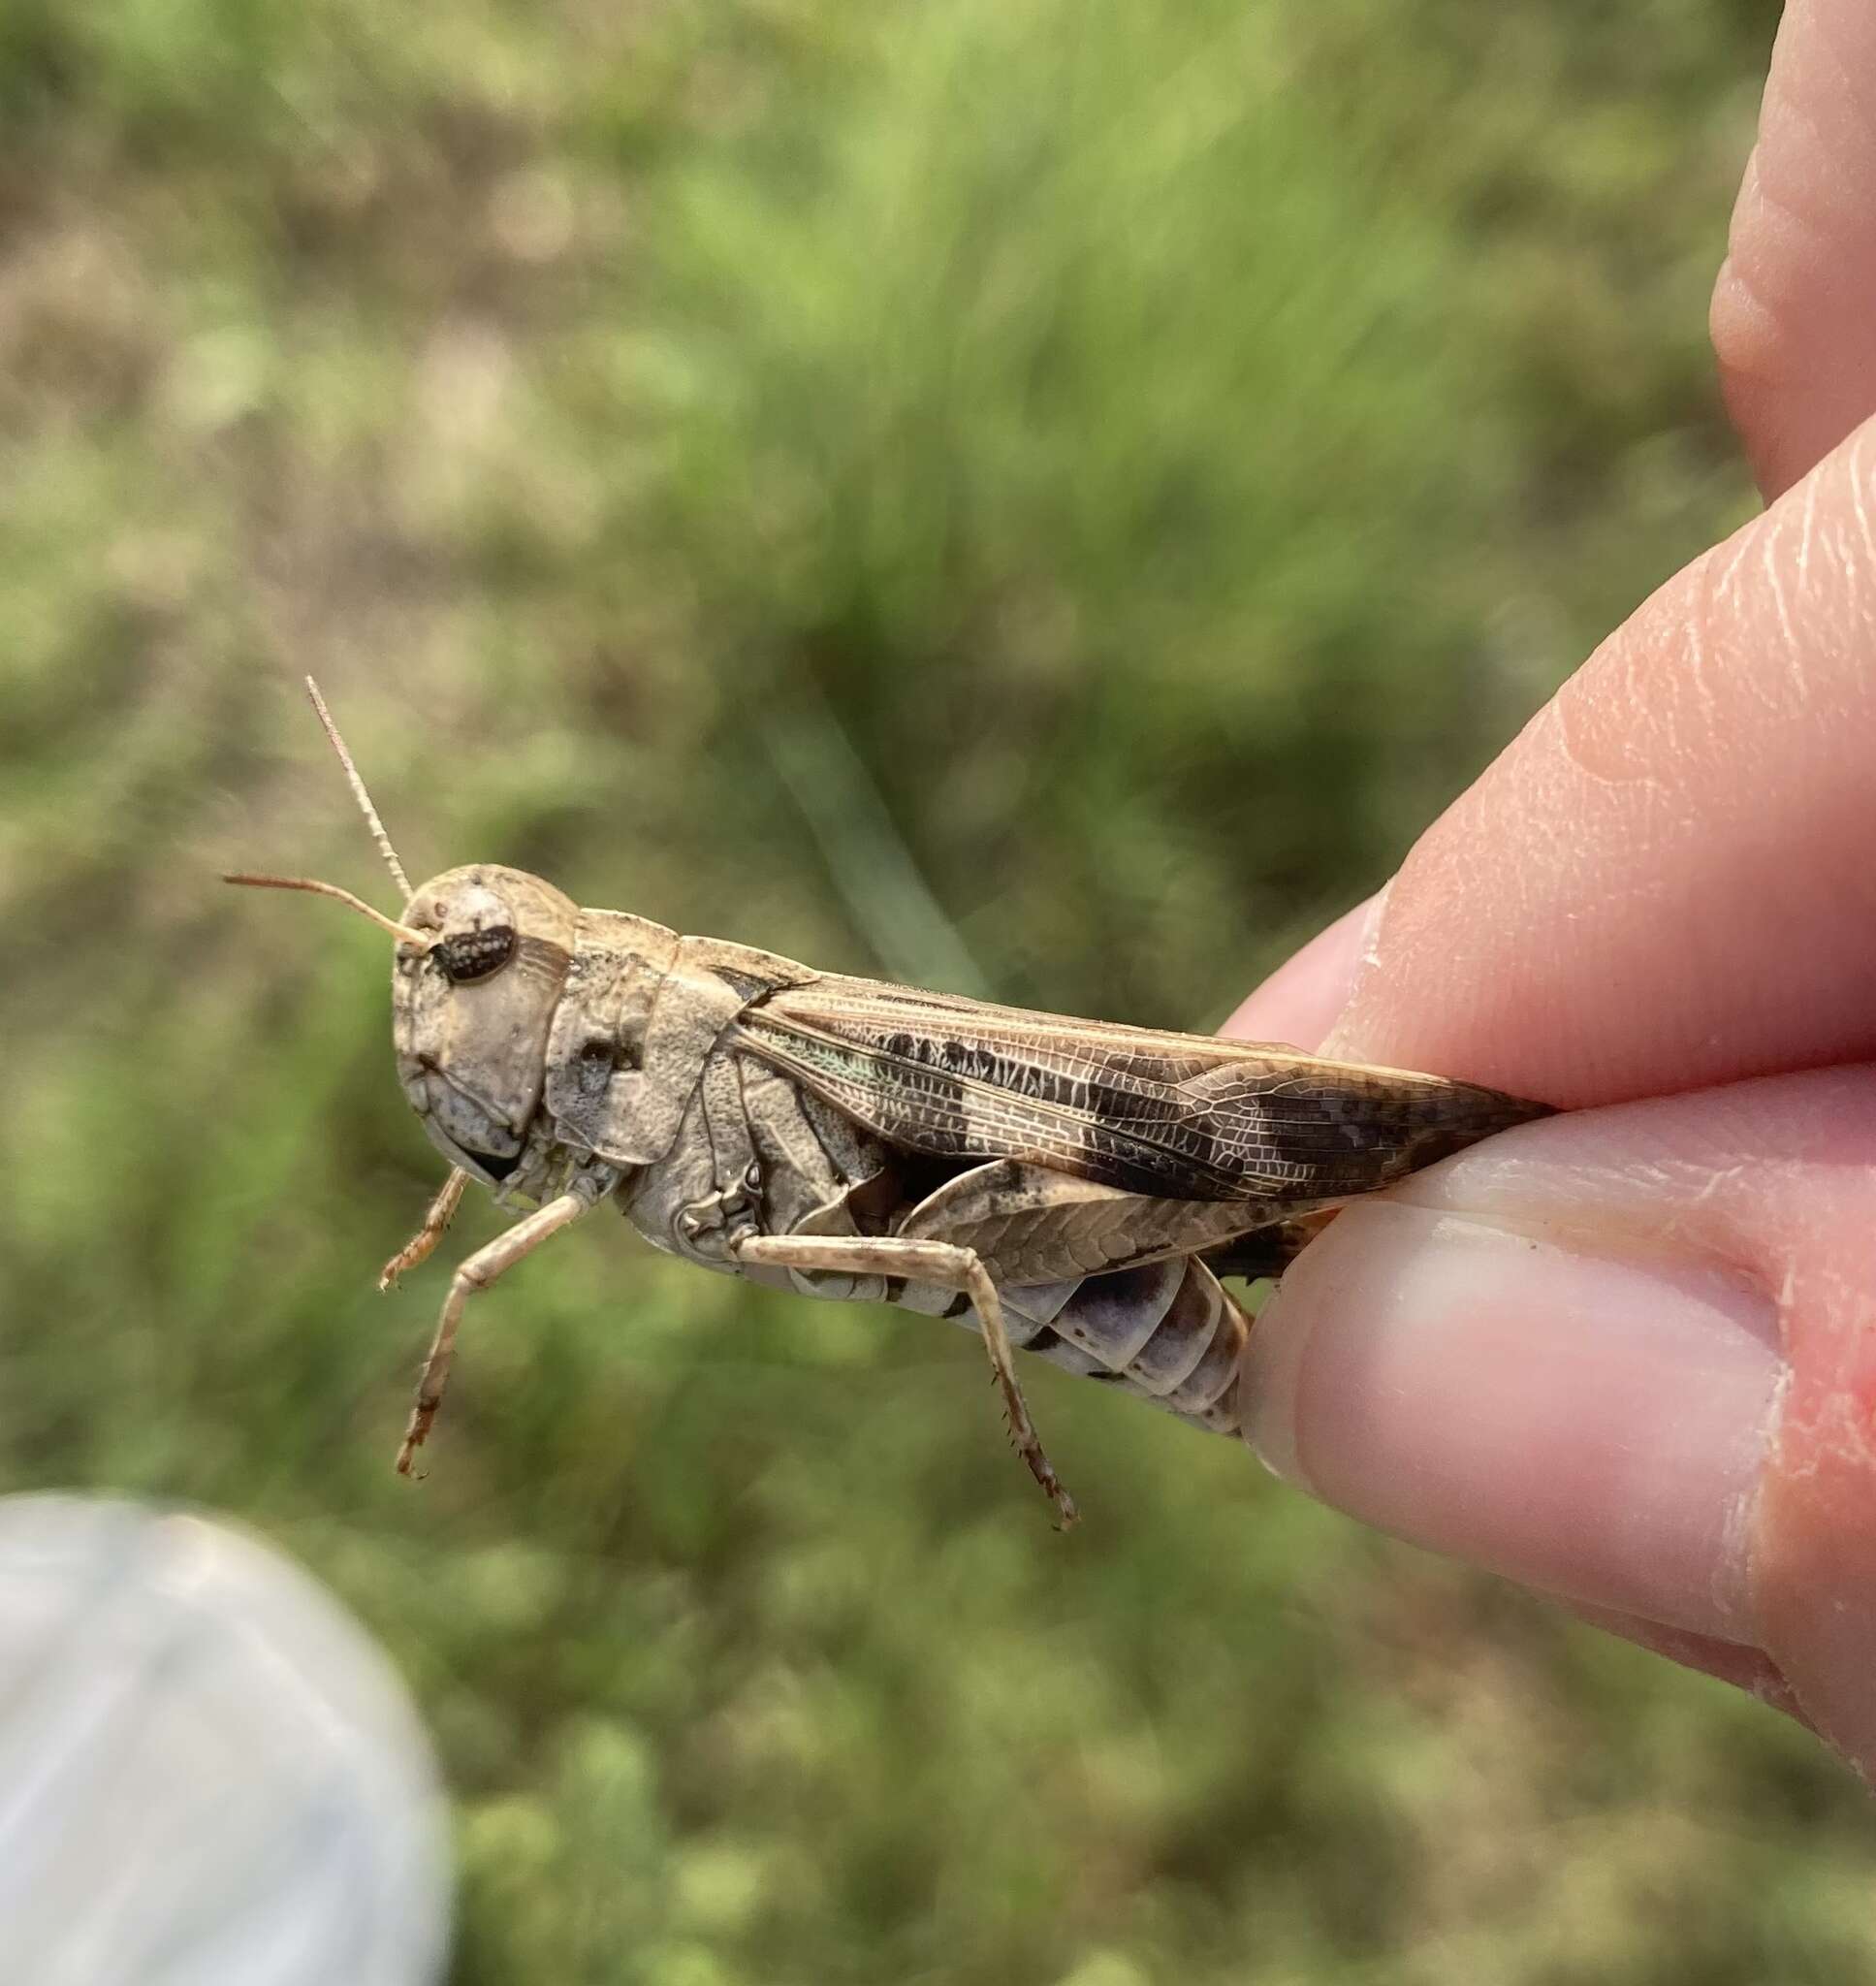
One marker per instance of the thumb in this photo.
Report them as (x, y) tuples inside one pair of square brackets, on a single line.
[(1623, 1357)]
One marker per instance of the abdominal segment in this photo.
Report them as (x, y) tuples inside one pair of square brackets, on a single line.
[(1166, 1333)]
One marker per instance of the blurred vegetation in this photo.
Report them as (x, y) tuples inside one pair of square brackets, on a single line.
[(1051, 497)]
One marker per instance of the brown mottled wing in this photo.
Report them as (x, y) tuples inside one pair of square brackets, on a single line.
[(1172, 1116)]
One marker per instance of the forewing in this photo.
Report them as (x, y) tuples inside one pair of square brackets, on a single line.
[(1171, 1116)]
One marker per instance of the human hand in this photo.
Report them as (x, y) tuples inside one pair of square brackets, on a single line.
[(1628, 1355)]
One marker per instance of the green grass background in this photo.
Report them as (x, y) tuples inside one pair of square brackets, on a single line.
[(1042, 496)]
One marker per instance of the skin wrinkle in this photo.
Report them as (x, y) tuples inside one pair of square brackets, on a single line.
[(1370, 953), (1787, 1289), (1829, 612), (1790, 107), (1780, 236), (1716, 1181), (1698, 662), (1726, 588), (1814, 217), (1846, 558), (1831, 66), (1741, 1532), (1834, 612), (1743, 675), (1841, 1434), (1860, 483), (1769, 565)]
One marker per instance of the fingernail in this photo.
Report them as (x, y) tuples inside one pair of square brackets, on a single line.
[(1591, 1425), (1303, 998), (1341, 1037)]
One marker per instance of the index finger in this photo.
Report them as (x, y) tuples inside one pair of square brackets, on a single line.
[(1668, 880)]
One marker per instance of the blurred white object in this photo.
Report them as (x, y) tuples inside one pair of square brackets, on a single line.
[(208, 1772)]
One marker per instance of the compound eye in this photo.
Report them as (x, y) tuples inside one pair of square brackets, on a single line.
[(466, 955)]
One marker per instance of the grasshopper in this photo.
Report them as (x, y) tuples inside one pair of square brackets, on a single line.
[(1074, 1188)]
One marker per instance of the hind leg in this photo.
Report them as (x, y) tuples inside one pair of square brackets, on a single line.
[(948, 1267)]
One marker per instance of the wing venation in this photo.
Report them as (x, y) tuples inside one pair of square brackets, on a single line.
[(1175, 1116)]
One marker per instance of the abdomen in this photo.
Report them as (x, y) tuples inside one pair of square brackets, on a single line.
[(1166, 1333)]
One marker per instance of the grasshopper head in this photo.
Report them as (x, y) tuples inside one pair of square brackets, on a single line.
[(483, 953), (472, 995)]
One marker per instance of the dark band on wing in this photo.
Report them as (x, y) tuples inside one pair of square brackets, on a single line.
[(1188, 1120)]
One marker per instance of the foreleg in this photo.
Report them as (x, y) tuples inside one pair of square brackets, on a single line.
[(422, 1245), (477, 1273)]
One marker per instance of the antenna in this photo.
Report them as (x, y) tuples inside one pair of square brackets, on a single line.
[(358, 794), (423, 939)]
